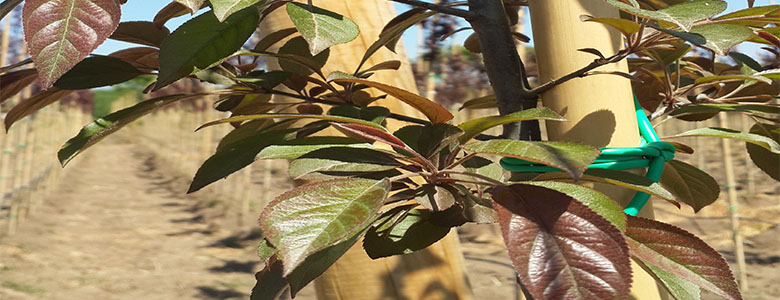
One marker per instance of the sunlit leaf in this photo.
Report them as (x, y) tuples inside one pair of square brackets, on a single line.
[(722, 37), (767, 161), (679, 288), (224, 8), (476, 126), (618, 178), (626, 27), (570, 157), (435, 112), (170, 11), (342, 160), (61, 33), (102, 127), (202, 42), (755, 139), (480, 103), (682, 254), (317, 215), (291, 116), (192, 5), (683, 14), (559, 247), (321, 28), (296, 148)]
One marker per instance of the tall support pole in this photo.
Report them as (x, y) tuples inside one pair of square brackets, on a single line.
[(600, 109), (728, 166), (433, 273)]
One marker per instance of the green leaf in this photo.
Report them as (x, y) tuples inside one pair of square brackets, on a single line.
[(625, 27), (722, 37), (391, 33), (202, 42), (474, 127), (321, 28), (375, 114), (435, 112), (60, 34), (234, 156), (716, 108), (266, 80), (102, 127), (679, 288), (573, 158), (30, 105), (192, 5), (683, 14), (725, 133), (689, 185), (273, 38), (170, 11), (436, 137), (733, 77), (317, 263), (342, 160), (224, 8), (270, 282), (598, 202), (141, 32), (291, 116), (372, 133), (681, 254), (747, 60), (618, 178), (552, 260), (767, 161), (97, 71), (758, 16), (296, 148), (413, 231), (485, 102), (294, 58), (317, 215)]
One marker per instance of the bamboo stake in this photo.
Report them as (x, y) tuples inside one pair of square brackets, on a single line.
[(749, 174), (355, 275), (733, 206), (599, 109)]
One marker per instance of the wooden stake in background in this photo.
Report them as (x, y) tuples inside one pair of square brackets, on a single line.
[(731, 187), (434, 273), (600, 109)]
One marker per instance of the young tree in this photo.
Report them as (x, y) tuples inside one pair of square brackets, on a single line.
[(402, 190)]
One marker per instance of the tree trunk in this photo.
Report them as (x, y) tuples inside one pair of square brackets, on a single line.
[(434, 273), (599, 108)]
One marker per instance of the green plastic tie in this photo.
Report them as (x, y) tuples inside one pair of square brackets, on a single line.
[(653, 155)]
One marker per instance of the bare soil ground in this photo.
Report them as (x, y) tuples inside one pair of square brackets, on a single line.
[(121, 228)]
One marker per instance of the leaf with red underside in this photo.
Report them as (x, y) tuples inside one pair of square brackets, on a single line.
[(33, 104), (435, 112), (682, 254), (14, 82), (373, 133), (560, 248), (61, 33)]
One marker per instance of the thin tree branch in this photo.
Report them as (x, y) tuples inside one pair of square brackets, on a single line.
[(582, 72), (440, 8)]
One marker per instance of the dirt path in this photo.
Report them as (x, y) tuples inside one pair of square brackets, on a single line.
[(116, 230)]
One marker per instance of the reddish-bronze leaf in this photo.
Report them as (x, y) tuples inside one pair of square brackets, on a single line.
[(61, 33), (373, 133), (143, 58), (33, 104), (435, 112), (682, 254), (16, 81), (560, 248)]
